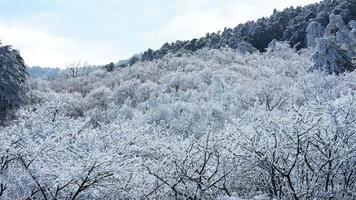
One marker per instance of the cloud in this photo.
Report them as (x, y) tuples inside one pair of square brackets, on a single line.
[(41, 48)]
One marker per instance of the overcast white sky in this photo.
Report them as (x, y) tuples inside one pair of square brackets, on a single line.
[(58, 32)]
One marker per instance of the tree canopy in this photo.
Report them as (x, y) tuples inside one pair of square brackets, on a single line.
[(12, 80)]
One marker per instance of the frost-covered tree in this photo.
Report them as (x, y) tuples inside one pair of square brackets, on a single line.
[(314, 31), (341, 34), (352, 26), (245, 47), (213, 124), (330, 58), (109, 67), (336, 24), (300, 154), (352, 35), (12, 80)]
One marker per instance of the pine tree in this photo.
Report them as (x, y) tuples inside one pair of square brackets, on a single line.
[(330, 58), (12, 80), (314, 31), (352, 25)]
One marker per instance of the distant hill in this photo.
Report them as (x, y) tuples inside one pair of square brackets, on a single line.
[(42, 72), (288, 25)]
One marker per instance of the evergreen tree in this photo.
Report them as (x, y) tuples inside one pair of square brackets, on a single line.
[(352, 25), (314, 31), (330, 58), (110, 67), (12, 80)]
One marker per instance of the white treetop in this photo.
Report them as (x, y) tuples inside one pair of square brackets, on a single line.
[(314, 31), (215, 124)]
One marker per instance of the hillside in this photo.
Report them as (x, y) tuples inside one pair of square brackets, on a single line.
[(209, 125), (289, 25)]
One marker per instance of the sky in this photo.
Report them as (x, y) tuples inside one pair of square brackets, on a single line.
[(56, 33)]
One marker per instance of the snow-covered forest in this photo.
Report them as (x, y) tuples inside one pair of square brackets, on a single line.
[(207, 125), (217, 123)]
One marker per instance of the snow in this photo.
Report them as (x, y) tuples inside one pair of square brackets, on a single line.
[(215, 124)]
